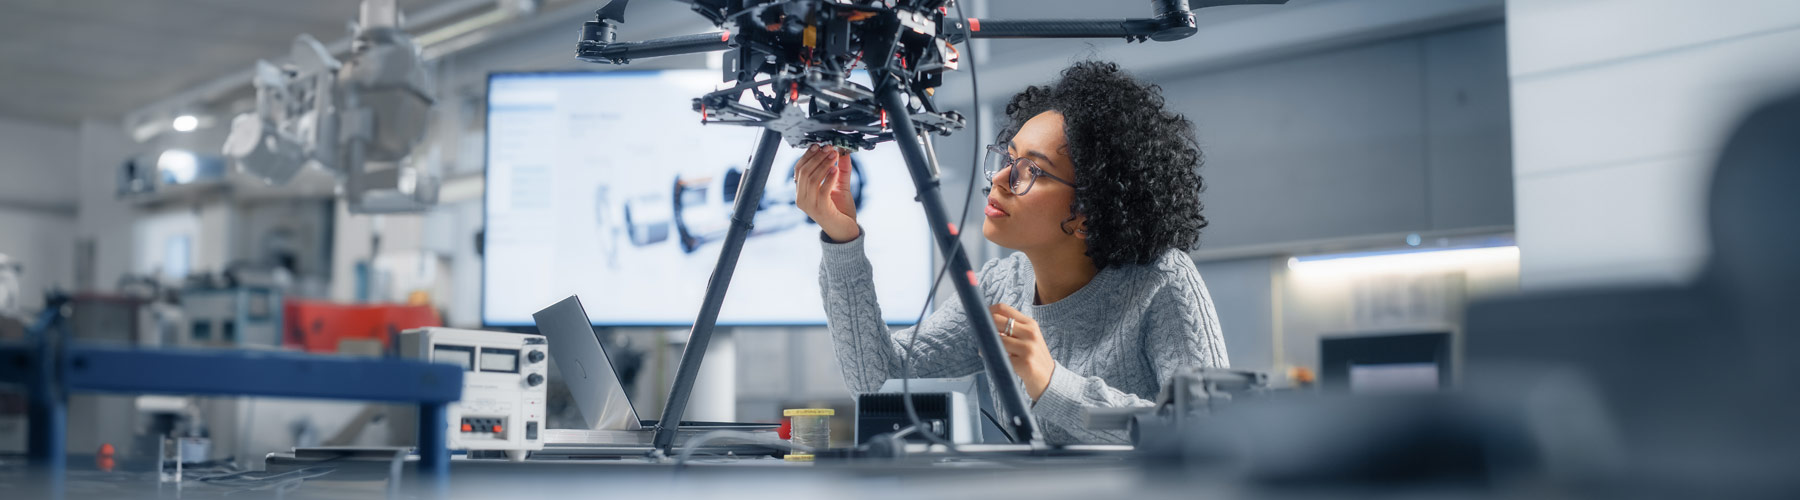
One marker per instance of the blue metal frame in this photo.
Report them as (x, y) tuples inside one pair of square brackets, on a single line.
[(279, 374), (219, 372)]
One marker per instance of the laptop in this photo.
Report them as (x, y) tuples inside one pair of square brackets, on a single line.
[(613, 426)]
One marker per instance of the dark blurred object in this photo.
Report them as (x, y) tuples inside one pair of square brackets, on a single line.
[(1696, 381), (1408, 362), (1189, 395), (319, 327), (1679, 391), (1441, 442)]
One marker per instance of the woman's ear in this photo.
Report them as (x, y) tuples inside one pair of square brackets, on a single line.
[(1078, 227)]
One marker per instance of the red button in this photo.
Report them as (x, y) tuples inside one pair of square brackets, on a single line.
[(496, 429), (468, 428)]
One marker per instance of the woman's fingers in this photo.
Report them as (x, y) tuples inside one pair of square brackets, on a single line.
[(822, 190), (1000, 324), (1023, 326), (802, 198), (806, 180), (1008, 311), (1015, 347), (841, 171)]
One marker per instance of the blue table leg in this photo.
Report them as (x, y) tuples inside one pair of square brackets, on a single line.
[(45, 448), (434, 450), (45, 401), (46, 418)]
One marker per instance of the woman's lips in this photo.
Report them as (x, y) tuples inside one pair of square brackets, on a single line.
[(994, 210)]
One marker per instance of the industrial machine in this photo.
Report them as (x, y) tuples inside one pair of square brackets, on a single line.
[(503, 393), (241, 316), (358, 119)]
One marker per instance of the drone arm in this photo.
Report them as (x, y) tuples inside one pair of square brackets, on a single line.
[(1063, 28), (1173, 20), (592, 50)]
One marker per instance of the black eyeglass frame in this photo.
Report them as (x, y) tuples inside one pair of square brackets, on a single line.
[(1010, 163)]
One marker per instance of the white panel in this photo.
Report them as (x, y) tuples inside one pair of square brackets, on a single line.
[(1468, 130), (37, 168), (1243, 298), (1325, 146), (44, 244), (103, 218), (1640, 222), (1680, 103), (1548, 35)]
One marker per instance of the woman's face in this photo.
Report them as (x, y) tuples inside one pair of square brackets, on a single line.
[(1036, 219)]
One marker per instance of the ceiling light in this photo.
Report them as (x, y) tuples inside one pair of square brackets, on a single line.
[(1405, 261), (186, 123)]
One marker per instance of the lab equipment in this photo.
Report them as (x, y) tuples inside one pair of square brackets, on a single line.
[(504, 389), (359, 118), (323, 327), (241, 316)]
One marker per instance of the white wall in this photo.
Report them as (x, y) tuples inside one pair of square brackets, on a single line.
[(1619, 107), (38, 166), (104, 219), (37, 204)]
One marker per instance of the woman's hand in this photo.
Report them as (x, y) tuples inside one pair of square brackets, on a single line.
[(1025, 347), (822, 190)]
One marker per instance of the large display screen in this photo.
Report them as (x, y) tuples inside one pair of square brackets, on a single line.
[(605, 185)]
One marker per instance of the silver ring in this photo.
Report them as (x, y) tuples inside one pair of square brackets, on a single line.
[(1009, 325)]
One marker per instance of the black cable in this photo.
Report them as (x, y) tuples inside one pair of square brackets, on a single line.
[(912, 414)]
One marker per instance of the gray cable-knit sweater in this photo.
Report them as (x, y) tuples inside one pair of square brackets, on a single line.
[(1114, 341)]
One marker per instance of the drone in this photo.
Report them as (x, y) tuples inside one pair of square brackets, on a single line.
[(794, 58), (789, 66)]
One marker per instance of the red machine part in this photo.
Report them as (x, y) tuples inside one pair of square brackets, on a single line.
[(318, 326)]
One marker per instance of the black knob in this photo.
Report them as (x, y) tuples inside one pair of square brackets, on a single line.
[(534, 380), (535, 356)]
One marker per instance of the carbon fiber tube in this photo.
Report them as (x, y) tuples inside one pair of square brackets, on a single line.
[(1063, 28), (993, 355), (743, 212), (622, 52)]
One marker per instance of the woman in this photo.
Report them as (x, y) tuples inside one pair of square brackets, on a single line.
[(1096, 184)]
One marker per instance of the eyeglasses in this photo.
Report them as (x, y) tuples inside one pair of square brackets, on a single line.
[(998, 159)]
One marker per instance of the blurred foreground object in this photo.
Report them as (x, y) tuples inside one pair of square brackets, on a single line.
[(1673, 391)]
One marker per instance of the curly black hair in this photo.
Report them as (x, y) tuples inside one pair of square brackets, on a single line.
[(1137, 164)]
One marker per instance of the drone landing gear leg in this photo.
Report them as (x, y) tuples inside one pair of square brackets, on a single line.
[(944, 230), (749, 196)]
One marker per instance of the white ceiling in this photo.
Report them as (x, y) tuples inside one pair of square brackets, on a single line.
[(65, 60)]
